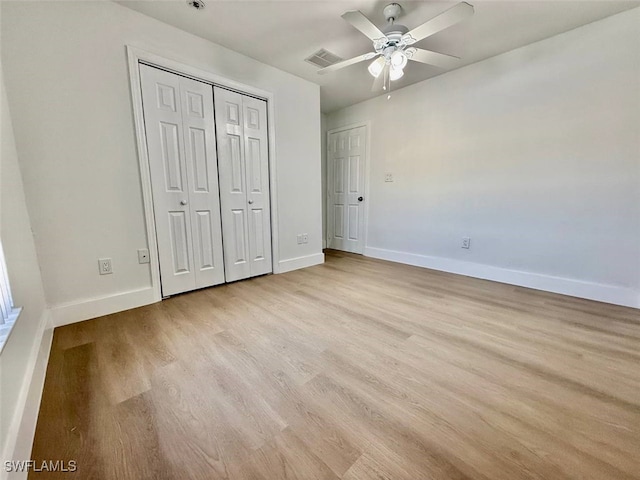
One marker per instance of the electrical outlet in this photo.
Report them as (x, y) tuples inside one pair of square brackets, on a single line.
[(388, 177), (466, 242), (305, 238), (299, 238), (143, 255), (104, 265)]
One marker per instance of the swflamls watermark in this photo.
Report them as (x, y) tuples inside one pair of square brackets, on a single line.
[(43, 466)]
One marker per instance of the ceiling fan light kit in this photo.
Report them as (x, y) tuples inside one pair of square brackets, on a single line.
[(393, 44), (398, 59), (376, 67), (395, 74)]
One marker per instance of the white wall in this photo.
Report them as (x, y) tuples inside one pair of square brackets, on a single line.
[(19, 359), (68, 87), (534, 154)]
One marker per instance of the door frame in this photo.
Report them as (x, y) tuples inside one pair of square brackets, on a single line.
[(137, 56), (367, 170)]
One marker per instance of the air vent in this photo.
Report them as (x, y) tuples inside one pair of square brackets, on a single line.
[(323, 58)]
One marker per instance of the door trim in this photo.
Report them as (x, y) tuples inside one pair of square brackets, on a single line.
[(136, 56), (367, 171)]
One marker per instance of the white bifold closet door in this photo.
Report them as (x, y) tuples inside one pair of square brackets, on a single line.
[(179, 123), (241, 131)]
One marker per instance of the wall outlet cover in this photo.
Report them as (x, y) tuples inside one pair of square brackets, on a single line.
[(143, 255), (104, 266), (466, 242), (388, 177)]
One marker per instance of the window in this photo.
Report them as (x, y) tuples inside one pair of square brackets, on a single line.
[(8, 313)]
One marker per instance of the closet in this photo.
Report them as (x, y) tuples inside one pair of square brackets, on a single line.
[(241, 128), (208, 159)]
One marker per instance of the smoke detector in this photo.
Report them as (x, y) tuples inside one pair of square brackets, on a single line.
[(197, 4)]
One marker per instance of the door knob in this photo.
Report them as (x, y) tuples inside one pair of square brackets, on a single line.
[(250, 202), (360, 199), (183, 202)]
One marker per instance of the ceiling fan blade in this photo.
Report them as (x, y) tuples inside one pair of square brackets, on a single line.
[(378, 83), (362, 23), (346, 63), (444, 20), (433, 58)]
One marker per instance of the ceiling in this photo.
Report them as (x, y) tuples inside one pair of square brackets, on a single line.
[(283, 33)]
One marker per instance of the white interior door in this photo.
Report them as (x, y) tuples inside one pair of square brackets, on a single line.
[(241, 128), (179, 123), (347, 156)]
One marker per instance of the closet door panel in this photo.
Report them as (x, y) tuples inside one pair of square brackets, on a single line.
[(202, 171), (257, 179), (233, 185), (165, 143)]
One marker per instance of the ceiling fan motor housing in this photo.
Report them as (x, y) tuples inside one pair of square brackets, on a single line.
[(394, 31), (392, 39)]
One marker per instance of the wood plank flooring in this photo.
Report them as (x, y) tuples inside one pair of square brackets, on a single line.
[(355, 369)]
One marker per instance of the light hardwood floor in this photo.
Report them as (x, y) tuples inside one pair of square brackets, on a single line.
[(355, 369)]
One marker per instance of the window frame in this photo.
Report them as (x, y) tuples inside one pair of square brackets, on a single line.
[(9, 313)]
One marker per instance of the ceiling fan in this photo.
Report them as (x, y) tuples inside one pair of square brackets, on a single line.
[(392, 44)]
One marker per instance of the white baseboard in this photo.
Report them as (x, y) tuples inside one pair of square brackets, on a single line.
[(301, 262), (96, 307), (566, 286), (23, 425)]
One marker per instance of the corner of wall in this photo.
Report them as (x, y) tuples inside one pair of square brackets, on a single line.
[(26, 353)]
